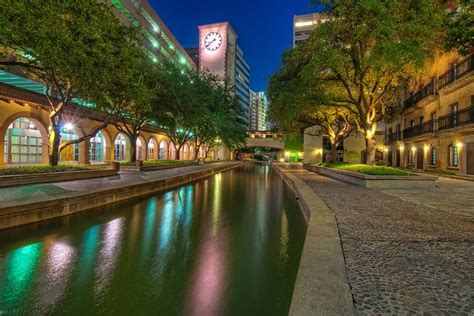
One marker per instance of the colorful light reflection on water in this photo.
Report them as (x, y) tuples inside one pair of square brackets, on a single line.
[(228, 245)]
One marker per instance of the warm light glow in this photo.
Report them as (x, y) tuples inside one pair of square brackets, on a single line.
[(385, 149), (287, 153), (459, 145), (413, 148), (304, 23), (427, 147), (402, 147), (300, 154), (69, 126), (282, 160)]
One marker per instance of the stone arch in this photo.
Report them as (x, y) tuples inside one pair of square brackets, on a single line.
[(121, 147), (184, 155), (191, 152), (39, 123), (141, 148), (164, 150), (99, 148), (152, 148)]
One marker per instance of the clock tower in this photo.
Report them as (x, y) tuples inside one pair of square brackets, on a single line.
[(217, 51)]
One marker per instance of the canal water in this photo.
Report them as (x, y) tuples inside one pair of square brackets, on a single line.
[(227, 245)]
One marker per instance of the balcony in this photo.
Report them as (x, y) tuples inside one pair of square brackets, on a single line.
[(393, 137), (456, 71), (462, 117), (427, 90), (425, 128)]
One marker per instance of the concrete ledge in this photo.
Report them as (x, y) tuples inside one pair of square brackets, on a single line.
[(26, 179), (20, 214), (157, 167), (322, 286), (377, 182)]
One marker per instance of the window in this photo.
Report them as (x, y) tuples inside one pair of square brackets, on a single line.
[(455, 114), (433, 121), (453, 159), (432, 156)]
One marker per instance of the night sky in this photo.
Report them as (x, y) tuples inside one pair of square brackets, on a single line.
[(264, 27)]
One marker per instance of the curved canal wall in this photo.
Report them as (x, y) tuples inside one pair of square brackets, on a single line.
[(322, 286), (32, 211)]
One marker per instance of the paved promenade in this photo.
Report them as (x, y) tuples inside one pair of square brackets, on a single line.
[(405, 252), (47, 191)]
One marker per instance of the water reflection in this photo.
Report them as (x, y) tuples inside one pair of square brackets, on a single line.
[(227, 245)]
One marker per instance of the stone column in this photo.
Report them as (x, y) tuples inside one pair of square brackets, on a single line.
[(2, 153), (107, 155), (44, 153), (84, 152)]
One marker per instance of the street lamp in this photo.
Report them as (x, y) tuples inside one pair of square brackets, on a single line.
[(218, 141)]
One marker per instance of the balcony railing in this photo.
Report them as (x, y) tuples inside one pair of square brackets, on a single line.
[(456, 71), (453, 74), (456, 119), (427, 90), (393, 137), (425, 128)]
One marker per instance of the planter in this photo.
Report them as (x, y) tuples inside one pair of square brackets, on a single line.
[(377, 182), (35, 178)]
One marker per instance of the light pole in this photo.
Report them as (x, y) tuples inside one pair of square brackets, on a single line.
[(218, 141)]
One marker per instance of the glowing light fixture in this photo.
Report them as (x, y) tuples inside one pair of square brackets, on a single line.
[(69, 126), (459, 145), (413, 148), (427, 147)]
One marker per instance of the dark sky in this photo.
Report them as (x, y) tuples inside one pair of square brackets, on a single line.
[(264, 27)]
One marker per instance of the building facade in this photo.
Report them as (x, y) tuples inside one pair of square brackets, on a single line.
[(262, 110), (24, 108), (253, 122), (220, 54), (434, 127), (303, 26)]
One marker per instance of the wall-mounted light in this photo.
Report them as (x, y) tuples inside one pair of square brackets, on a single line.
[(413, 148), (427, 147), (459, 145), (402, 148), (69, 126)]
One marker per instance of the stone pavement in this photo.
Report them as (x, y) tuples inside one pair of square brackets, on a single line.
[(403, 257), (41, 192)]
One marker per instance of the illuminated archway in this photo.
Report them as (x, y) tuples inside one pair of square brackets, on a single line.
[(120, 148), (172, 151), (152, 149), (25, 142), (191, 152), (164, 151), (141, 148)]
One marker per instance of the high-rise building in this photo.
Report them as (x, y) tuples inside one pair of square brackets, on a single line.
[(253, 122), (158, 41), (303, 26), (262, 109), (220, 54)]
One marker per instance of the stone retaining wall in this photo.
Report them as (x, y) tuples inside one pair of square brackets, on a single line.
[(27, 179), (322, 286), (20, 214), (376, 182)]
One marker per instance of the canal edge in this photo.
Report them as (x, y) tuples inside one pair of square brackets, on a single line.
[(19, 214), (322, 286)]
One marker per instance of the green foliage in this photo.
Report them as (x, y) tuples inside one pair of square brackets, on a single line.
[(47, 169), (459, 23), (370, 170), (294, 142)]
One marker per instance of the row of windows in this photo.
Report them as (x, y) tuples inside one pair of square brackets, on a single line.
[(453, 156)]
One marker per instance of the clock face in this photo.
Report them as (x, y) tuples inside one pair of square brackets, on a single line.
[(213, 41)]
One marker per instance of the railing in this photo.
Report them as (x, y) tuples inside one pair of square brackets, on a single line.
[(427, 90), (456, 71), (458, 118), (453, 74), (425, 128), (392, 137)]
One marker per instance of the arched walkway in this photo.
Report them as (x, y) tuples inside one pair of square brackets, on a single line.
[(25, 141), (191, 152), (120, 148), (141, 148), (185, 152), (152, 149), (164, 150)]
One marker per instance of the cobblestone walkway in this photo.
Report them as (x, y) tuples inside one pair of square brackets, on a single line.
[(402, 257)]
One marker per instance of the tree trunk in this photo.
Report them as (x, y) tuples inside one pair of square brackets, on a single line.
[(370, 150), (54, 142), (333, 154), (133, 149), (196, 152), (177, 153)]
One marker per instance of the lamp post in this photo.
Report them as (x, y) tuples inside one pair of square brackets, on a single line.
[(218, 141)]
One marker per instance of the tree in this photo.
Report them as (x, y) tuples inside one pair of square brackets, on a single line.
[(459, 23), (298, 102), (177, 105), (72, 47), (366, 48)]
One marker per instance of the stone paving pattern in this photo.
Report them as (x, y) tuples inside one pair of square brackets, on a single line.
[(46, 191), (404, 257)]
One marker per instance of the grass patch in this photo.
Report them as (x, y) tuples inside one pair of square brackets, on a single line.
[(368, 169), (46, 169)]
